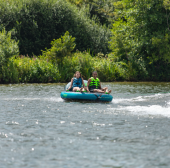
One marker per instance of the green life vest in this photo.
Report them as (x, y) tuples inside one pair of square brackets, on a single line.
[(95, 83)]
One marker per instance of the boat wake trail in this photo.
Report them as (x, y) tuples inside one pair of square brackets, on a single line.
[(52, 99), (56, 99), (148, 110), (141, 98), (152, 105)]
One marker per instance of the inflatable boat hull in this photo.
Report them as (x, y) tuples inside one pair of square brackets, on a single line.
[(86, 96)]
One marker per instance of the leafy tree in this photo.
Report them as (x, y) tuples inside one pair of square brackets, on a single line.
[(141, 36), (101, 11), (38, 22)]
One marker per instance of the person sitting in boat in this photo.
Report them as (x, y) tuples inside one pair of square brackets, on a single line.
[(94, 85), (77, 82)]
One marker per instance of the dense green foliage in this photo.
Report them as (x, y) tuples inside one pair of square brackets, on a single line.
[(8, 48), (60, 48), (23, 69), (29, 70), (37, 70), (82, 62), (141, 38), (111, 71), (100, 10), (129, 39), (86, 64), (38, 22)]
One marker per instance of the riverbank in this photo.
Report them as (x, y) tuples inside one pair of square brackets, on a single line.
[(25, 69), (60, 62)]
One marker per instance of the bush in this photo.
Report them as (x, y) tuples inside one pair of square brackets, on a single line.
[(82, 62), (35, 70), (8, 48), (38, 70), (60, 48), (109, 71), (10, 73)]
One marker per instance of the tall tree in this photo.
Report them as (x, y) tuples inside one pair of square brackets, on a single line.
[(141, 34)]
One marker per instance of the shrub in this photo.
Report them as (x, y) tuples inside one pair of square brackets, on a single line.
[(60, 48), (8, 48), (109, 71), (82, 62), (35, 70), (9, 73)]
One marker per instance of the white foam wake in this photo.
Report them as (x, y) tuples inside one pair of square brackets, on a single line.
[(141, 98), (148, 110), (54, 99), (161, 106), (152, 110)]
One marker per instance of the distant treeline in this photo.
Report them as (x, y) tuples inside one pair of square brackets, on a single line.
[(121, 39)]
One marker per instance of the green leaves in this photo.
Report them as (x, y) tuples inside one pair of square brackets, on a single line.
[(60, 48), (107, 69), (166, 4), (35, 70), (141, 35), (38, 22), (8, 46), (100, 11), (161, 48)]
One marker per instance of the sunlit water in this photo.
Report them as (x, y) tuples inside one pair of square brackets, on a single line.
[(40, 130)]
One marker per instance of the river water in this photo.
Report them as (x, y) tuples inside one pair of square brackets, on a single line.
[(40, 130)]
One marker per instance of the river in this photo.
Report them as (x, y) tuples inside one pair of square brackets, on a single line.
[(40, 130)]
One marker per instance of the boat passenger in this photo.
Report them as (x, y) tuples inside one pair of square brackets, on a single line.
[(77, 82), (94, 85)]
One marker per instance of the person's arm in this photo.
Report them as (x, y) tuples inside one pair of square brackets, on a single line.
[(100, 84), (88, 83), (83, 83), (71, 84)]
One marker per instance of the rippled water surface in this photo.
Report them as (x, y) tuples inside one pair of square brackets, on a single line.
[(39, 129)]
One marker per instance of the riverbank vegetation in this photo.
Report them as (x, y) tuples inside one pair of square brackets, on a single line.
[(48, 40)]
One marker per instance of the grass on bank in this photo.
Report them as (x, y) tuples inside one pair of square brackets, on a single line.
[(23, 69)]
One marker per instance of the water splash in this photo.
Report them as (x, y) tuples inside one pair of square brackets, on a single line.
[(141, 98), (155, 110), (54, 99), (155, 105)]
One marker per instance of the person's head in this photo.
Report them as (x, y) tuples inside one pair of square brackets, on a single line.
[(77, 74), (94, 74)]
